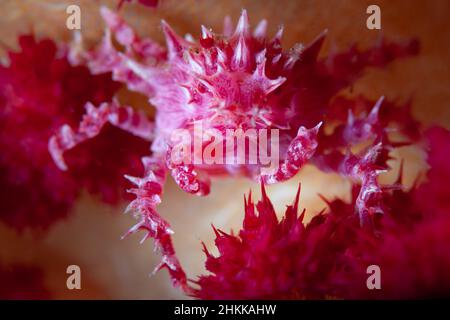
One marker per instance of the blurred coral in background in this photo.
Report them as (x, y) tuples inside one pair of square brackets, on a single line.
[(19, 282), (40, 91)]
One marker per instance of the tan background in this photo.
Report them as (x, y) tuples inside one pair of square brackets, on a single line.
[(90, 238)]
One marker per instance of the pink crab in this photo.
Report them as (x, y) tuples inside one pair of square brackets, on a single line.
[(238, 80)]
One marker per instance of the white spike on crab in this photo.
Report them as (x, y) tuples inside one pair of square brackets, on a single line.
[(260, 30), (243, 26), (175, 44)]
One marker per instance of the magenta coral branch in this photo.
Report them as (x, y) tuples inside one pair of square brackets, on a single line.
[(39, 91)]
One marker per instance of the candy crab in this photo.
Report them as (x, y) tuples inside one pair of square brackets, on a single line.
[(237, 80)]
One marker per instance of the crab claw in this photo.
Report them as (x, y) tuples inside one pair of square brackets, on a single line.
[(300, 150)]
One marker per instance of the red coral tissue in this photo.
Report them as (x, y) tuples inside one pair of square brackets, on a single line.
[(149, 3), (21, 282), (329, 256), (40, 91)]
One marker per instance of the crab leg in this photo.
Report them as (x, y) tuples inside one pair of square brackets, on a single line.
[(363, 168), (93, 121), (148, 195), (148, 188), (187, 177)]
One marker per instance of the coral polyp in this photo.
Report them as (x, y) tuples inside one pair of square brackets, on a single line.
[(237, 80)]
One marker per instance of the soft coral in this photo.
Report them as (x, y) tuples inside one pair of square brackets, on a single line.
[(40, 91), (21, 282), (329, 256)]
